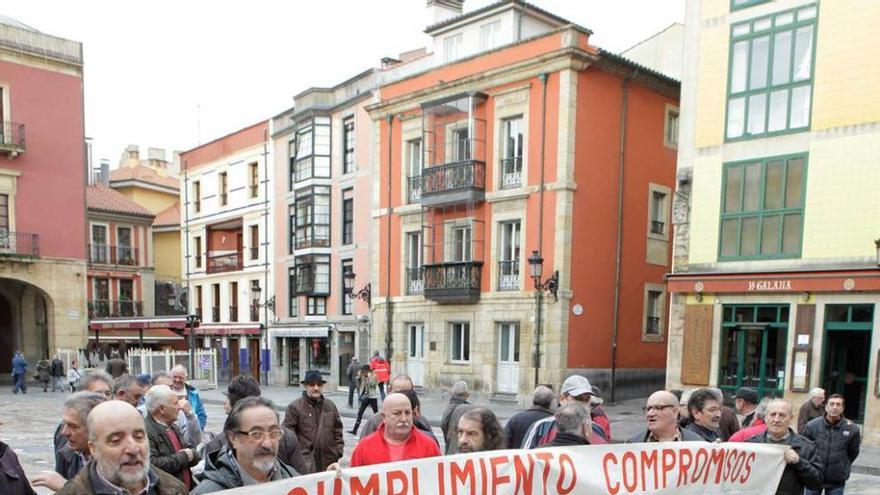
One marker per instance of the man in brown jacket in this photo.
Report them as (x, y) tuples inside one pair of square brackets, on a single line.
[(168, 451), (121, 463), (317, 424)]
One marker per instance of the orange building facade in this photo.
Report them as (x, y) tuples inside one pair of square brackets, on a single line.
[(533, 143)]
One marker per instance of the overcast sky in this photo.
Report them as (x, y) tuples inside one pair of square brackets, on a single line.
[(172, 74)]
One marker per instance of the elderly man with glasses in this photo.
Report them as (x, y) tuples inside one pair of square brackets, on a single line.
[(661, 414), (250, 458)]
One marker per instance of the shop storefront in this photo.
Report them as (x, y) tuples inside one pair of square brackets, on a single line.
[(108, 335), (781, 333), (298, 349), (237, 345)]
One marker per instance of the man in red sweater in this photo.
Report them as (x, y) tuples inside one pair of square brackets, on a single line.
[(397, 439)]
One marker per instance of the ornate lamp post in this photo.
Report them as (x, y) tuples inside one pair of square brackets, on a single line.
[(536, 267), (363, 294), (256, 292)]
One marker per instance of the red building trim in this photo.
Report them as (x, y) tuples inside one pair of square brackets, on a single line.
[(820, 281)]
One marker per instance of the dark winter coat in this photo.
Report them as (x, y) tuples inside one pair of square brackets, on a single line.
[(809, 412), (567, 440), (87, 483), (729, 423), (68, 462), (289, 451), (19, 365), (837, 446), (163, 455), (686, 436), (516, 428), (703, 432), (449, 423), (318, 428), (116, 367), (223, 472), (12, 478), (806, 473), (57, 368), (43, 368)]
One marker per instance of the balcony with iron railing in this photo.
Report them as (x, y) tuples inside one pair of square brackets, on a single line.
[(511, 172), (255, 312), (12, 139), (102, 308), (657, 227), (220, 263), (198, 312), (415, 280), (508, 275), (233, 314), (215, 314), (455, 282), (652, 325), (106, 254), (451, 183), (414, 189), (19, 244)]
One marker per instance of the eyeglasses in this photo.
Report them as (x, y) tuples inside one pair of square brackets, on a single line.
[(657, 408), (259, 435)]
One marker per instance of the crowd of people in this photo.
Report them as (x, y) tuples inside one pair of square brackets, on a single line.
[(145, 434)]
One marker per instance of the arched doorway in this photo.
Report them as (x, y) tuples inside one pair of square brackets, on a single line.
[(26, 315)]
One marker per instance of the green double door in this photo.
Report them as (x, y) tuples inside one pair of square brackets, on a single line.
[(847, 355), (753, 348)]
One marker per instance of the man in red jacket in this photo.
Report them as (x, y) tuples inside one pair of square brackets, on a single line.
[(382, 369), (397, 439)]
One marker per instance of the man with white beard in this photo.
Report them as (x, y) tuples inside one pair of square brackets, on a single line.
[(120, 456), (250, 457)]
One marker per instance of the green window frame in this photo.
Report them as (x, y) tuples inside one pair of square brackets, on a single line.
[(770, 74), (742, 4), (753, 350), (762, 208)]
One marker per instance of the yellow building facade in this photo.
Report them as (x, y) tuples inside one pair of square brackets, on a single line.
[(775, 283)]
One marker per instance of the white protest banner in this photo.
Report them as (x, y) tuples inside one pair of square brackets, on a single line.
[(623, 469)]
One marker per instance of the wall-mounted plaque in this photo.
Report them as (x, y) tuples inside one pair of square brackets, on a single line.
[(696, 355)]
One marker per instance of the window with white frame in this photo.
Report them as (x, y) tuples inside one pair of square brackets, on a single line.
[(414, 170), (292, 300), (654, 304), (347, 299), (313, 217), (99, 248), (452, 47), (197, 196), (460, 144), (348, 145), (658, 213), (670, 127), (512, 152), (490, 35), (125, 252), (316, 306), (313, 274), (509, 257), (348, 216), (459, 342), (461, 243), (414, 271)]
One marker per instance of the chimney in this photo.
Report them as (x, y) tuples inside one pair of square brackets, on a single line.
[(156, 159), (130, 156), (104, 174), (441, 10)]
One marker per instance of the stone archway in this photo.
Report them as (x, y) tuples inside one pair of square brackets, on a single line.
[(26, 316)]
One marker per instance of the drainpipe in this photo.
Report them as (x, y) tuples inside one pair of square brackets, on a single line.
[(189, 294), (617, 263), (388, 309), (539, 294)]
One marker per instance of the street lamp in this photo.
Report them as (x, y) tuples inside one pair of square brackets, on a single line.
[(363, 294), (877, 245), (256, 291), (192, 321), (536, 267)]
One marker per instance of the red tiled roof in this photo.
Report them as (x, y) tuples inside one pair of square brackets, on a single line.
[(102, 198), (144, 174), (169, 217)]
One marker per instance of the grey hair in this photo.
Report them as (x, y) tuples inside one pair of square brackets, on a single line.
[(124, 382), (571, 418), (157, 396), (685, 397), (180, 367), (816, 392), (543, 397), (83, 403), (460, 390), (233, 420), (761, 409), (401, 377), (93, 376), (157, 375)]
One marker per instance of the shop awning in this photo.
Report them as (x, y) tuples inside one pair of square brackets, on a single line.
[(306, 332), (224, 329), (133, 334), (783, 282), (123, 323)]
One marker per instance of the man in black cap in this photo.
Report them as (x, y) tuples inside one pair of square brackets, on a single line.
[(746, 400), (317, 424)]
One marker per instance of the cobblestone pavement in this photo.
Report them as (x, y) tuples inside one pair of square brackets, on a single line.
[(29, 421)]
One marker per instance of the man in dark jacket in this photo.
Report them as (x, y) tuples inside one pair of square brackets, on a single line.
[(746, 401), (813, 408), (837, 441), (449, 420), (803, 468), (116, 367), (517, 426), (352, 374), (242, 387), (57, 372), (19, 373), (317, 424), (573, 426), (250, 458), (12, 478), (121, 464), (661, 414), (704, 407), (168, 451)]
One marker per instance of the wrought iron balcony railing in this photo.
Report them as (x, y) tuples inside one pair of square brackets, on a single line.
[(414, 189), (12, 138), (453, 183), (102, 308), (511, 172), (508, 275), (657, 227), (19, 243), (415, 281), (233, 314), (113, 255), (652, 325), (215, 314), (224, 263), (453, 282)]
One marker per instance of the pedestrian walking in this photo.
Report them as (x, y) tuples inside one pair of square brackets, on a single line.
[(382, 369), (352, 372), (838, 441), (73, 376), (57, 372), (458, 404), (19, 373), (813, 408), (366, 387), (317, 424), (802, 466), (44, 373), (517, 426)]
